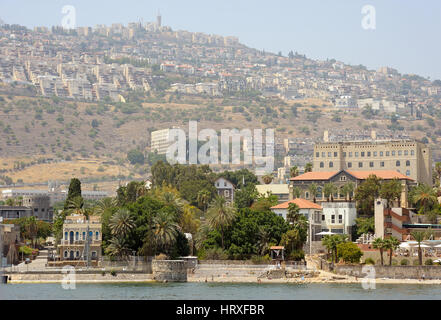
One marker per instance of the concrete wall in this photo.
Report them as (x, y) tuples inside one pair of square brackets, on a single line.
[(393, 272), (169, 270)]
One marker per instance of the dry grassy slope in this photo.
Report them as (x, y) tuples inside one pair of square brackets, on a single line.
[(45, 136)]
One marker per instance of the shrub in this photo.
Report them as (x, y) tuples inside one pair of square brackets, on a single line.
[(429, 262), (369, 261), (349, 252), (161, 256), (296, 255), (103, 273), (215, 254), (416, 263), (25, 250), (113, 273), (259, 259), (404, 262)]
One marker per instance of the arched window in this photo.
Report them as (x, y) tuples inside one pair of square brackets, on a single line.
[(331, 164), (96, 235), (408, 163), (398, 163), (307, 195), (77, 236), (65, 254), (319, 193), (66, 237), (84, 235), (322, 164)]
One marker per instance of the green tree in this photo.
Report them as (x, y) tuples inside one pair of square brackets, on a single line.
[(349, 252), (419, 237), (293, 212), (424, 197), (348, 190), (308, 167), (329, 189), (332, 241), (365, 225), (391, 244), (121, 223), (365, 195), (391, 190), (220, 216), (203, 199), (380, 244), (313, 188), (118, 247), (135, 156), (294, 172), (74, 191), (165, 231), (245, 196)]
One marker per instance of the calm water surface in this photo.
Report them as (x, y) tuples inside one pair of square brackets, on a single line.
[(208, 291)]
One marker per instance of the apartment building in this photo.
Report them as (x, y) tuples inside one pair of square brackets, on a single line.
[(407, 156), (160, 141)]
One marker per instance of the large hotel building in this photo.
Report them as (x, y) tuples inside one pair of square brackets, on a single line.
[(409, 157)]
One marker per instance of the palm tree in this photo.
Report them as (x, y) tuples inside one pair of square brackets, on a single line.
[(165, 230), (203, 199), (329, 189), (220, 215), (294, 172), (419, 237), (391, 190), (76, 206), (332, 241), (424, 197), (264, 237), (308, 167), (380, 245), (104, 205), (313, 188), (267, 179), (121, 223), (118, 248), (296, 191), (293, 212), (348, 190), (392, 244)]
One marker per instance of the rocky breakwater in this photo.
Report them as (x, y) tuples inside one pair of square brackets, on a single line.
[(286, 274), (169, 270)]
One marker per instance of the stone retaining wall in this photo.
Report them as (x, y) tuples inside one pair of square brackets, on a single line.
[(393, 272), (169, 270)]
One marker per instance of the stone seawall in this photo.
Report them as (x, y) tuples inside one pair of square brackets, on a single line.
[(80, 277), (393, 272), (169, 270)]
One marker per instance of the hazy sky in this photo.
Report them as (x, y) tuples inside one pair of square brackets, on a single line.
[(407, 35)]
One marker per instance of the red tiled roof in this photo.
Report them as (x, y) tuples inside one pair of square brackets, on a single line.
[(383, 174), (361, 175), (315, 176), (302, 203)]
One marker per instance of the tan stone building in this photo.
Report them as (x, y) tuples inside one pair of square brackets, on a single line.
[(77, 231), (408, 157)]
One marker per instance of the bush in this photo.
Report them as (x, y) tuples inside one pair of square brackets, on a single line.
[(349, 252), (369, 261), (113, 273), (161, 256), (296, 255), (259, 259), (429, 262), (404, 262), (26, 250), (103, 273), (215, 254), (416, 263)]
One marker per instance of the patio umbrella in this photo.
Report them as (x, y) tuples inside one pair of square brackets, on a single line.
[(325, 233), (405, 245)]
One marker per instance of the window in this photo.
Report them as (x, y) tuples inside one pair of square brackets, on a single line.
[(331, 164), (408, 173), (349, 164), (398, 163), (335, 154), (350, 154), (317, 154), (322, 164), (375, 153), (65, 254), (225, 184), (387, 153), (227, 193), (407, 163), (333, 218), (381, 153), (77, 236), (84, 235), (65, 236), (371, 164), (369, 154), (319, 193), (307, 195), (406, 152), (78, 254), (97, 235), (323, 217), (393, 153), (329, 154), (356, 154), (323, 154), (382, 164), (360, 164), (343, 178), (362, 154), (344, 154), (412, 153), (400, 153), (340, 218)]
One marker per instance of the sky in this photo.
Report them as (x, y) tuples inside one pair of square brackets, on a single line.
[(407, 34)]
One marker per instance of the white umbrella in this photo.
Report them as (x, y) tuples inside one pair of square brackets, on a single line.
[(404, 245), (325, 233), (438, 246)]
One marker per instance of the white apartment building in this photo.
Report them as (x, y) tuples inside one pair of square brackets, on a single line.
[(160, 141), (338, 217)]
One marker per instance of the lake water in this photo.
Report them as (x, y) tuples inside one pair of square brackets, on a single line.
[(216, 291)]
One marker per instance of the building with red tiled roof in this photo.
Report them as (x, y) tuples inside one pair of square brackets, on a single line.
[(300, 186), (301, 203)]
